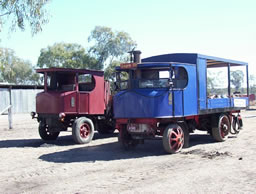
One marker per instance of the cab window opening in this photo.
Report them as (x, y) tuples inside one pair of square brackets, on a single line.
[(154, 78), (218, 83), (176, 77), (56, 82), (86, 82), (122, 80), (180, 77)]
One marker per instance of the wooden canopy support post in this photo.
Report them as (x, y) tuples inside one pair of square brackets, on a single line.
[(247, 81), (229, 88), (10, 108)]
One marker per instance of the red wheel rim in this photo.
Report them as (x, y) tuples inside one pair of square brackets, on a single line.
[(85, 130), (224, 127), (176, 138)]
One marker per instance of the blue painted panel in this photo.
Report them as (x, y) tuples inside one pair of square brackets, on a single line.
[(142, 103), (201, 69), (218, 103), (150, 65), (190, 94), (178, 105)]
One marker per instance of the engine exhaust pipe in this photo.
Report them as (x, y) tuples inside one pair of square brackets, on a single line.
[(135, 56)]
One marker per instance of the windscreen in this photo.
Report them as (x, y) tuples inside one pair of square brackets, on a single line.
[(154, 78), (175, 77)]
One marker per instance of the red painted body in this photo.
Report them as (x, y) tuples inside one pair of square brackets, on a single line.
[(77, 98)]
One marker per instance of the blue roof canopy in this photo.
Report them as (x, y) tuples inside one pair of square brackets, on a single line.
[(162, 61), (192, 58)]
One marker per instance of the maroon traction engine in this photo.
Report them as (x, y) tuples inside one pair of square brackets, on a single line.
[(77, 98)]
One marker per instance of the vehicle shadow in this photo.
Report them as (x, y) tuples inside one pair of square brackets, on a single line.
[(34, 143), (113, 151), (197, 139), (104, 152), (104, 136), (65, 140)]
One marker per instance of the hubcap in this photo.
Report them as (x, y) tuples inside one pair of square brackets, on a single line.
[(224, 127), (84, 130), (176, 139)]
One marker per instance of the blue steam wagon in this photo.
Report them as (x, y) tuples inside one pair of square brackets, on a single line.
[(171, 95)]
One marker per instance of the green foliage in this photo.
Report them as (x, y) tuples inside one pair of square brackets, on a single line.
[(15, 70), (215, 82), (252, 80), (210, 83), (109, 72), (109, 46), (24, 12), (253, 89), (66, 55), (237, 79)]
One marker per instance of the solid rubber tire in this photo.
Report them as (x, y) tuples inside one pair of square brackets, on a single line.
[(216, 131), (46, 135), (166, 139), (76, 130)]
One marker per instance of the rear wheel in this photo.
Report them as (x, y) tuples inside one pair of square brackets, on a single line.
[(240, 122), (236, 124), (173, 138), (221, 131), (45, 134), (82, 130), (125, 139)]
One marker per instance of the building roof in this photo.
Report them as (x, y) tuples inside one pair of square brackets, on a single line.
[(14, 86)]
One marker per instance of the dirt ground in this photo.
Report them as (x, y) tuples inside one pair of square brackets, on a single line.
[(29, 165)]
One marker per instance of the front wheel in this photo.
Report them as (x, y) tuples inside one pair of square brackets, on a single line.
[(45, 134), (82, 130), (173, 138)]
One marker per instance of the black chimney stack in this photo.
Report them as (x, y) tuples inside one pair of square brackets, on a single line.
[(136, 56)]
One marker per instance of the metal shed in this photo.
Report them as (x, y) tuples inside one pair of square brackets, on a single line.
[(17, 99)]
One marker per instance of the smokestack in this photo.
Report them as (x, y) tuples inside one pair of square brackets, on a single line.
[(136, 56)]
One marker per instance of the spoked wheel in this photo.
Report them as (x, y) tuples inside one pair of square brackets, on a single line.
[(82, 130), (173, 138), (220, 133), (45, 134), (125, 139)]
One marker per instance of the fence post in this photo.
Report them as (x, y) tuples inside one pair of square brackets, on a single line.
[(10, 109)]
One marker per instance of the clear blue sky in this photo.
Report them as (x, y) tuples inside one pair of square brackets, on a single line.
[(222, 28)]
